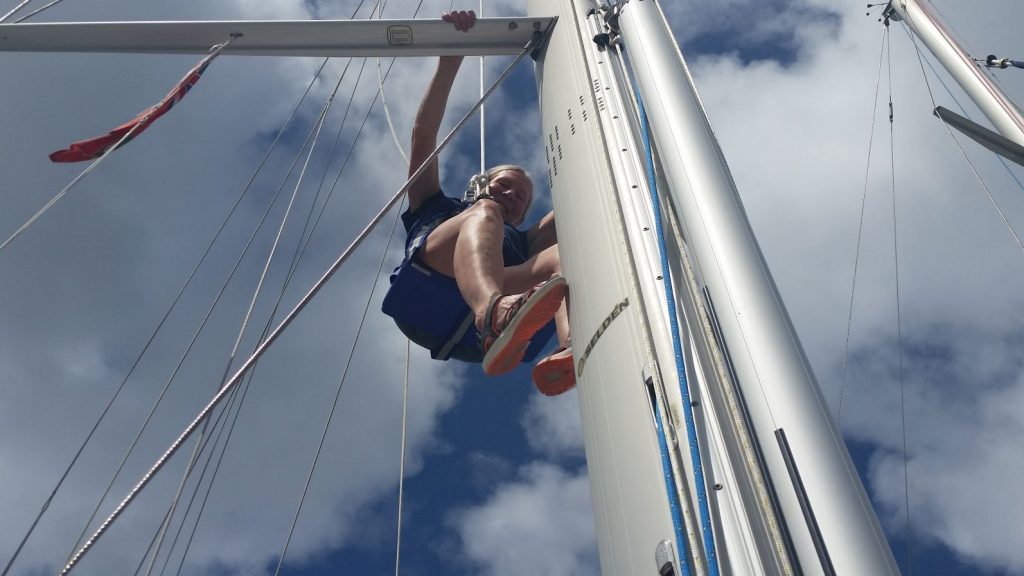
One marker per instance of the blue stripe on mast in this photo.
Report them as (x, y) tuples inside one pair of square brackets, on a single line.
[(691, 430)]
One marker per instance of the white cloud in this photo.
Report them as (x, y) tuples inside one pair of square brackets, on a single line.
[(552, 425), (539, 525)]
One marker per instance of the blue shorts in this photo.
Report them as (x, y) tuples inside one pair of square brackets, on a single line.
[(428, 307)]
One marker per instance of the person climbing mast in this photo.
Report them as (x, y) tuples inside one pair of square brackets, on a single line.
[(510, 280)]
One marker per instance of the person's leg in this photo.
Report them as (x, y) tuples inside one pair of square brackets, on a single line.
[(554, 374), (467, 248)]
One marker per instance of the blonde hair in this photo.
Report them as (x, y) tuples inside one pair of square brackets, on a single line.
[(495, 170)]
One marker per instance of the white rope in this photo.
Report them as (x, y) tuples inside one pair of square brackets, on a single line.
[(337, 395), (160, 324), (276, 333), (181, 360), (387, 114), (198, 331), (405, 387), (36, 11), (483, 114), (300, 252), (13, 10), (71, 185), (401, 460), (380, 87), (248, 314)]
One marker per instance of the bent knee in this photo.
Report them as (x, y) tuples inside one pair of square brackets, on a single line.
[(485, 211)]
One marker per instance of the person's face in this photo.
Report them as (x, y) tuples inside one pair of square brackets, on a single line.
[(512, 190)]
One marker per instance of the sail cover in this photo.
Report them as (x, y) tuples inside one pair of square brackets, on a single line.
[(95, 147)]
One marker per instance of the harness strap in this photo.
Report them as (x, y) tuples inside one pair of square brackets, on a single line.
[(442, 354)]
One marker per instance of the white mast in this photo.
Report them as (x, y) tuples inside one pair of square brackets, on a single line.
[(1000, 110), (786, 497)]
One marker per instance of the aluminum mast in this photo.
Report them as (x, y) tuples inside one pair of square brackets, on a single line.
[(922, 22), (815, 508)]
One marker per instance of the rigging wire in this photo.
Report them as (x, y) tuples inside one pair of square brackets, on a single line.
[(899, 325), (963, 111), (860, 227), (219, 427), (318, 126), (245, 386), (977, 175), (37, 11), (295, 257), (195, 336), (218, 431), (215, 50), (14, 10), (160, 324), (213, 476), (181, 360), (337, 394), (289, 318), (301, 253)]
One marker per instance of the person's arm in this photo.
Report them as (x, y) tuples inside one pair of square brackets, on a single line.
[(542, 235), (431, 112)]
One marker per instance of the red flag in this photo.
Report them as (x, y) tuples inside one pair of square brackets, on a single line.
[(95, 147)]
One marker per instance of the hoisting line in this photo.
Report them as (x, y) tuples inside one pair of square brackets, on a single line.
[(707, 531), (287, 320)]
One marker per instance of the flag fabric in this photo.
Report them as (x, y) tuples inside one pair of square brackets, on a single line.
[(95, 147)]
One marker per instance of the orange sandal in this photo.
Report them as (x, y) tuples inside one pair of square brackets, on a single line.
[(505, 339), (555, 374)]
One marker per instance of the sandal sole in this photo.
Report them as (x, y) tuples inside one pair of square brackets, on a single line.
[(508, 349), (555, 376)]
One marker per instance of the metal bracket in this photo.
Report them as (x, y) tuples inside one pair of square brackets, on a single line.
[(665, 559)]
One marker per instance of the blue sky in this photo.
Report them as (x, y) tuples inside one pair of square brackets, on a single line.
[(496, 478)]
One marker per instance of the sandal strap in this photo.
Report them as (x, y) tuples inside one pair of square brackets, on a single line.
[(487, 334)]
